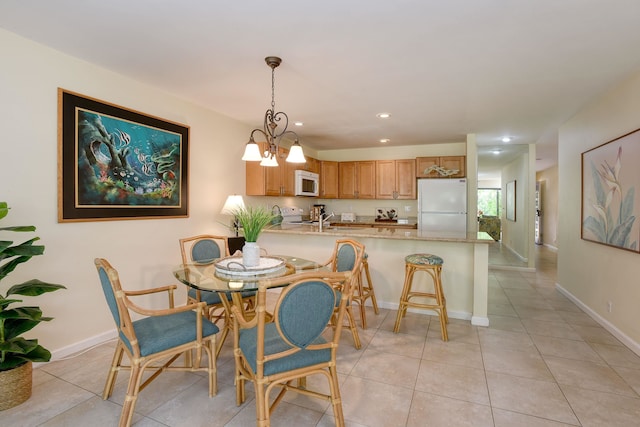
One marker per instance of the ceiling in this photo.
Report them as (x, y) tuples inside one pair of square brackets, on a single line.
[(442, 69)]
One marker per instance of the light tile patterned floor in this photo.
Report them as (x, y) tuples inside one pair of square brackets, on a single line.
[(542, 362)]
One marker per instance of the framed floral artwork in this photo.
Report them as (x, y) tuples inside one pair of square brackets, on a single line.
[(610, 176), (510, 203), (116, 164)]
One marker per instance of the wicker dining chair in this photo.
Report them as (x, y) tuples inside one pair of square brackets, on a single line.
[(156, 341), (347, 256), (204, 249), (291, 347)]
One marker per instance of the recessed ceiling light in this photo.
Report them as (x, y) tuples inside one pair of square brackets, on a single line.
[(383, 115), (385, 140), (496, 152), (506, 139), (298, 123)]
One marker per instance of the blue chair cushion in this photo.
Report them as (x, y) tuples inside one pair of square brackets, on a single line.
[(423, 259), (273, 343), (158, 333)]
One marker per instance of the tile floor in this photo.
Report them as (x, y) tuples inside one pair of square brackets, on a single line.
[(542, 362)]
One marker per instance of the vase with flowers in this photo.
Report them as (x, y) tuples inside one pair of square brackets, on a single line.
[(252, 220)]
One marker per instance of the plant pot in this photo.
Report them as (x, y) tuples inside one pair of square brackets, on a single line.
[(15, 386), (251, 254)]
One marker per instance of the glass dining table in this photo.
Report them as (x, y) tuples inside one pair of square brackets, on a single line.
[(212, 277)]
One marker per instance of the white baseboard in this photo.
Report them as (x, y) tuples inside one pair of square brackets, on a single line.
[(553, 248), (83, 345), (513, 251), (625, 339), (512, 268)]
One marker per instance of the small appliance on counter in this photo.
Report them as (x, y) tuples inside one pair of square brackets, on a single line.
[(348, 217), (386, 215), (291, 215), (315, 212)]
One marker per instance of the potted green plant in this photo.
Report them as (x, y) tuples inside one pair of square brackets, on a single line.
[(17, 353), (252, 220)]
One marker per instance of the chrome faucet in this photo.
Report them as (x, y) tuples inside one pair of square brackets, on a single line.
[(322, 219)]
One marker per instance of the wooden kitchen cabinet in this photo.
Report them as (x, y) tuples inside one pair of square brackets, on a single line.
[(271, 181), (396, 179), (328, 179), (447, 162), (357, 180)]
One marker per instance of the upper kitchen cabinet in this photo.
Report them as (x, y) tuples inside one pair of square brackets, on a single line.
[(312, 165), (328, 179), (396, 179), (271, 181), (458, 163), (357, 180)]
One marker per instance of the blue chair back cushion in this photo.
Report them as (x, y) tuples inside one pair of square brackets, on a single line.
[(205, 251), (304, 312), (346, 258), (107, 288)]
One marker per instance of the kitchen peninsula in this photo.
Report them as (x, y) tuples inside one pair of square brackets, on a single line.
[(464, 275)]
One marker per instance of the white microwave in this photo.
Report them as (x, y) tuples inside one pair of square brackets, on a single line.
[(307, 183)]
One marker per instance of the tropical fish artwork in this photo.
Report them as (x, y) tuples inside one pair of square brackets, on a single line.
[(612, 204), (126, 163)]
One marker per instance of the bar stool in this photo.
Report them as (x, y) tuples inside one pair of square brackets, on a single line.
[(432, 265), (363, 291)]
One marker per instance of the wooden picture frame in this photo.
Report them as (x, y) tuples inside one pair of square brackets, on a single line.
[(118, 164), (510, 203), (610, 207)]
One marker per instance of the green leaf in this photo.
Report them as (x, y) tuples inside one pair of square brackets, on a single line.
[(4, 209), (18, 227), (596, 227), (4, 302), (35, 353), (621, 232), (33, 287), (9, 266), (626, 207), (13, 328), (19, 345), (29, 313), (597, 185)]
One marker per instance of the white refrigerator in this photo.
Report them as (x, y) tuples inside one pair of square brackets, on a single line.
[(442, 205)]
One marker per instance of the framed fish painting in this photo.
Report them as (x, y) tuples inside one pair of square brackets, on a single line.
[(118, 164), (610, 206)]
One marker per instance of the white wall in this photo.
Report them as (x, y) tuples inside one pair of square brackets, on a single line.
[(515, 233), (549, 180), (595, 274), (142, 250)]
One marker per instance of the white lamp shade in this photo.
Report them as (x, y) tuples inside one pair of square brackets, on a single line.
[(269, 161), (295, 154), (252, 152), (233, 203)]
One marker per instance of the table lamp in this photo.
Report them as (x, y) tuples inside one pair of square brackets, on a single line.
[(233, 203)]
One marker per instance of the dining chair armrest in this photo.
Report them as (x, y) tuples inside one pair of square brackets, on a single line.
[(198, 306), (169, 289)]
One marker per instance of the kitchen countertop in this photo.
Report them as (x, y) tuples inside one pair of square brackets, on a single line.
[(380, 232)]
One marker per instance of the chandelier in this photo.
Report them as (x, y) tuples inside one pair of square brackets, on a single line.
[(273, 137)]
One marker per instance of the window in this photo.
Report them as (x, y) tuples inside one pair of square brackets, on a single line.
[(489, 201)]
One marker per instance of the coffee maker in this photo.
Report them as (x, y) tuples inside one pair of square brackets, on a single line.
[(315, 211)]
